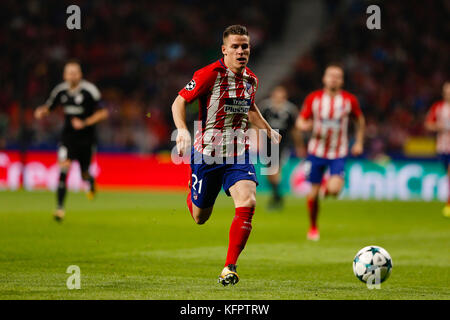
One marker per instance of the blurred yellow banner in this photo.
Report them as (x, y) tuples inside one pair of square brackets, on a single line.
[(420, 146)]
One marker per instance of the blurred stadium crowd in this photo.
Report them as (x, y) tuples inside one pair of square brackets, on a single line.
[(141, 53), (396, 72)]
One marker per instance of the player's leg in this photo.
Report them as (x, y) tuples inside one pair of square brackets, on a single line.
[(315, 168), (446, 210), (275, 178), (334, 185), (84, 158), (200, 215), (336, 181), (240, 183), (61, 191), (205, 183), (312, 203), (244, 196), (274, 181)]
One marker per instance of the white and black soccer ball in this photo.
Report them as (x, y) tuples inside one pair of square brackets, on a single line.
[(373, 264)]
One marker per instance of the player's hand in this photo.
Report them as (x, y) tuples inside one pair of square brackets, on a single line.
[(40, 112), (275, 137), (357, 149), (77, 123), (183, 141), (303, 124)]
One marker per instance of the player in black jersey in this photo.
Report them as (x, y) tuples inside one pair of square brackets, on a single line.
[(80, 101), (281, 114)]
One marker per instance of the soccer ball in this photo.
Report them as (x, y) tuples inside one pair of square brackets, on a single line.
[(372, 264)]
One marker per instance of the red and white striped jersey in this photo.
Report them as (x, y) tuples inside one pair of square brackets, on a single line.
[(224, 101), (330, 122), (440, 114)]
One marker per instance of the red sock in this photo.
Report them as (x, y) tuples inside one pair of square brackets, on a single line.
[(313, 210), (189, 204), (239, 233)]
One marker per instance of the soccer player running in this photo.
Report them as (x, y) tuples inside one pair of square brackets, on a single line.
[(226, 91), (326, 112), (281, 114), (438, 121), (80, 101)]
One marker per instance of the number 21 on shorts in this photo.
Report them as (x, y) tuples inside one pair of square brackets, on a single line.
[(195, 181)]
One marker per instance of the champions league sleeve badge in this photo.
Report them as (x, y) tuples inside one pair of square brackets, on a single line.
[(190, 86)]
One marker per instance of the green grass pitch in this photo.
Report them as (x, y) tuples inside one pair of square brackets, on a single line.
[(146, 246)]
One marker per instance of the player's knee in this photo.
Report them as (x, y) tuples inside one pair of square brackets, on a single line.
[(200, 220), (252, 202), (249, 201), (200, 217), (334, 188), (334, 191), (64, 165), (85, 175)]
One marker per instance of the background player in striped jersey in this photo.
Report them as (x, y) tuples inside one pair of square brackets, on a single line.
[(326, 112), (226, 91), (80, 101), (281, 114), (438, 120)]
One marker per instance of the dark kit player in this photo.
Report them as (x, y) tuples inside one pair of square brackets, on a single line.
[(226, 91), (80, 101), (281, 114)]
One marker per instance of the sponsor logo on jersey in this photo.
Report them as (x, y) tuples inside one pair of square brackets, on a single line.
[(72, 110), (191, 85), (331, 123), (237, 105), (79, 99)]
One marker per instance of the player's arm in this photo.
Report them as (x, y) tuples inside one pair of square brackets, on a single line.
[(433, 126), (96, 117), (431, 123), (255, 117), (201, 84), (360, 125), (304, 124), (50, 104), (304, 120), (41, 111), (183, 139), (358, 146)]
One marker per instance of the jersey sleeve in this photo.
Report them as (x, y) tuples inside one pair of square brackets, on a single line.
[(431, 115), (306, 111), (94, 94), (201, 83), (54, 98), (356, 109)]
